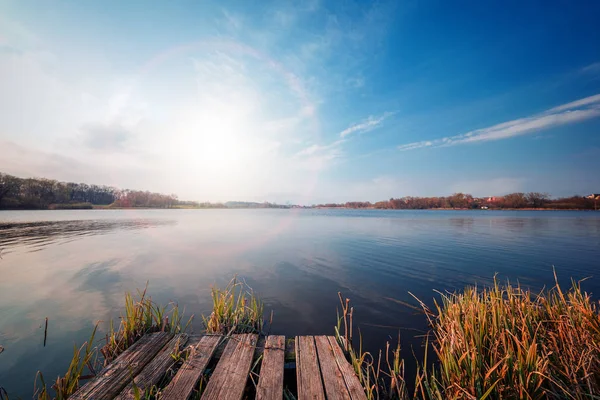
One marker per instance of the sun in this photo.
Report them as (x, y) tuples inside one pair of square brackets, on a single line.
[(214, 141)]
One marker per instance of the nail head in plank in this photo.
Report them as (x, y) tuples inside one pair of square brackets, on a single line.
[(184, 382), (270, 382), (232, 369), (194, 339), (335, 387), (308, 375), (155, 369), (357, 392), (112, 379)]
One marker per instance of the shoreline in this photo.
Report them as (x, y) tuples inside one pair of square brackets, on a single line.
[(296, 208), (452, 209)]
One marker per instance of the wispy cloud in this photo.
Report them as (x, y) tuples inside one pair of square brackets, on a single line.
[(588, 101), (591, 69), (576, 111), (231, 21), (317, 157), (366, 125), (315, 148)]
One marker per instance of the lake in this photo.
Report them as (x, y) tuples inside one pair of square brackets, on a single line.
[(74, 267)]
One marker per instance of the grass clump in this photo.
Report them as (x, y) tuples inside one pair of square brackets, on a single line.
[(141, 316), (507, 342), (366, 366), (65, 386), (236, 309), (501, 342)]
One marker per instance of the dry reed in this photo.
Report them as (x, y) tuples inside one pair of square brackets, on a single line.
[(236, 309), (501, 342), (141, 316), (507, 342)]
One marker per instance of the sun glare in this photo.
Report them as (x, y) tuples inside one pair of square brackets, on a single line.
[(214, 142)]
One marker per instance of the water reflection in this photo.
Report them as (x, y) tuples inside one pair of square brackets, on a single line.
[(296, 260), (38, 234)]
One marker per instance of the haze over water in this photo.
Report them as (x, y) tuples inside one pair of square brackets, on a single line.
[(74, 267)]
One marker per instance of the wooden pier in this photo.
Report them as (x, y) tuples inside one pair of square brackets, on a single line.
[(241, 366)]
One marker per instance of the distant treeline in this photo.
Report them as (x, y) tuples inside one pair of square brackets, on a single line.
[(40, 194), (230, 204), (36, 193), (466, 201), (247, 204)]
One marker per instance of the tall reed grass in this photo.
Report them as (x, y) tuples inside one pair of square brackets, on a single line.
[(366, 366), (506, 342), (65, 386), (236, 309), (501, 342), (498, 342), (141, 316)]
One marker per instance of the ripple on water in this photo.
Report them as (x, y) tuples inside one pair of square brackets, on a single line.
[(37, 235)]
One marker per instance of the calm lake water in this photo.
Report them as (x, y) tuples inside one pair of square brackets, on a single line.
[(74, 266)]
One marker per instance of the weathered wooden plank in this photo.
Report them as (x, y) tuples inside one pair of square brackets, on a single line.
[(236, 381), (229, 379), (357, 392), (216, 380), (335, 387), (156, 369), (270, 382), (308, 374), (112, 379), (183, 383)]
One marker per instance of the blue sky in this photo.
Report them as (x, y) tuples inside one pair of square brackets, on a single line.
[(304, 102)]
